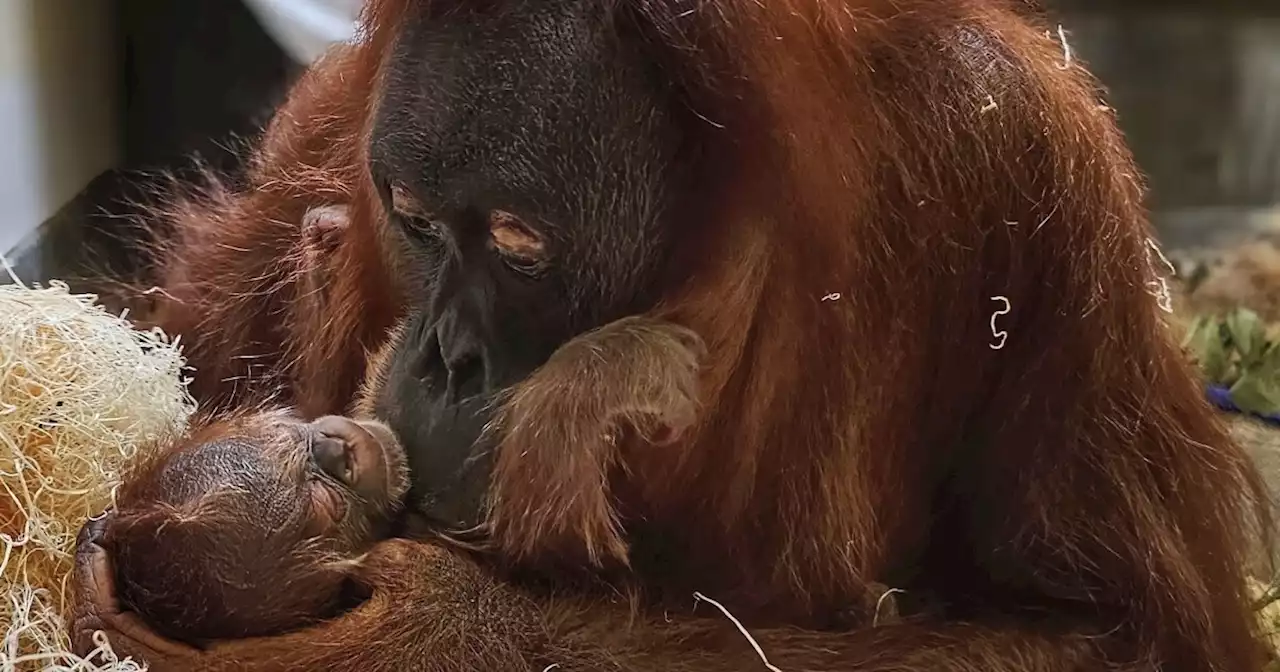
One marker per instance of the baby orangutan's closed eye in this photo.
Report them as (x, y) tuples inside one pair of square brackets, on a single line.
[(252, 526)]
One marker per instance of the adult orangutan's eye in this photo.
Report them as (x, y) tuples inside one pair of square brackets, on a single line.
[(406, 205), (520, 246), (410, 213), (421, 228)]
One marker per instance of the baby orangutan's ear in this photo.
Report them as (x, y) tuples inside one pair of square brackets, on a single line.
[(96, 606), (354, 572), (415, 570)]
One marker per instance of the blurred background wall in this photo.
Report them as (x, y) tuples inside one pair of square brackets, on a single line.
[(118, 88), (1197, 87), (158, 81), (59, 106)]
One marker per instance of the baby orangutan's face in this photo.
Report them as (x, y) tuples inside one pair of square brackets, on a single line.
[(252, 526)]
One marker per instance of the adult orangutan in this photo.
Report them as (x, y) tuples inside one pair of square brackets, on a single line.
[(828, 193)]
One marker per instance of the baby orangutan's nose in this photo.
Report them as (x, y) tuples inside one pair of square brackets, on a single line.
[(332, 448)]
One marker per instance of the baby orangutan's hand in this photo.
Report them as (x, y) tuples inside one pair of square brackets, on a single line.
[(96, 607), (414, 590)]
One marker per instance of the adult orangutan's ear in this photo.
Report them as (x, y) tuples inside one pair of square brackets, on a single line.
[(96, 604)]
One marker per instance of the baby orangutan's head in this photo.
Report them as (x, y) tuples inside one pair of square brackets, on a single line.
[(252, 526)]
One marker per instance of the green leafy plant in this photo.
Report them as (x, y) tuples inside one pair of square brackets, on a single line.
[(1237, 351)]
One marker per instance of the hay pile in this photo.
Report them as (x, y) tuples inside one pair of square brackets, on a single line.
[(80, 391)]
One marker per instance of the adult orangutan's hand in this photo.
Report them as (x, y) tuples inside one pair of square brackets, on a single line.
[(430, 609)]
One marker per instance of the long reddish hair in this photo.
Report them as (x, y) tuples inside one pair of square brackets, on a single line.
[(874, 172)]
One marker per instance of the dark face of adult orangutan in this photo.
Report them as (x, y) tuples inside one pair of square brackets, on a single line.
[(524, 158)]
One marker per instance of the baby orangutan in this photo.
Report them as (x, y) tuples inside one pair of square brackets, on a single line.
[(253, 525)]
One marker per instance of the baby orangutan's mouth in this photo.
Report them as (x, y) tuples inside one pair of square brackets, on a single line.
[(366, 456), (391, 458)]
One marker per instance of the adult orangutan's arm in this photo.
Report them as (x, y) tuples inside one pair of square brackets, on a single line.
[(433, 610)]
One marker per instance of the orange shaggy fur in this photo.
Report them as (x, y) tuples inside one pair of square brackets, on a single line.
[(1067, 502)]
